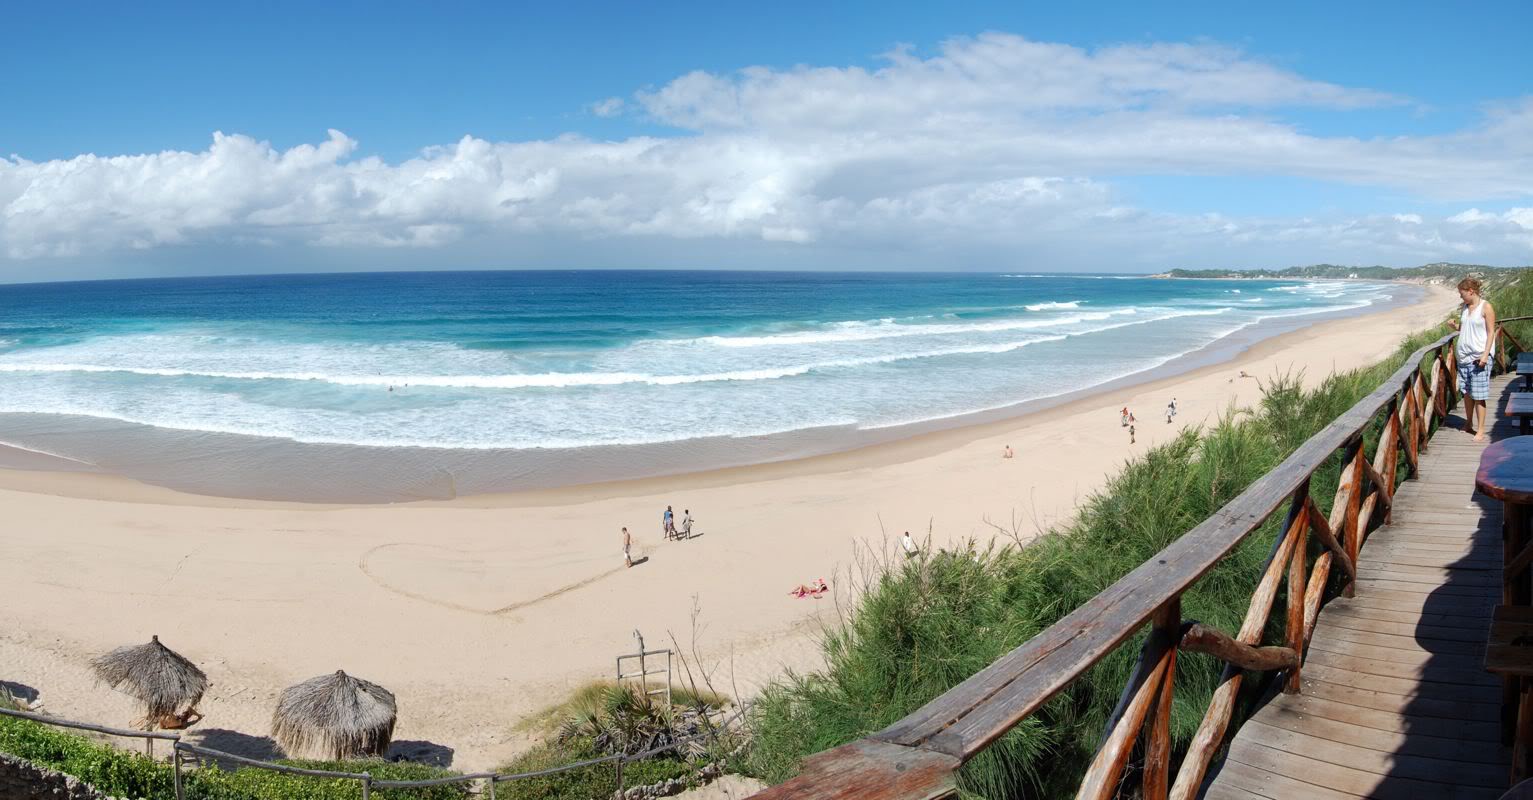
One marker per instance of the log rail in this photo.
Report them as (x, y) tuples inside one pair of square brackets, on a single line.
[(917, 757)]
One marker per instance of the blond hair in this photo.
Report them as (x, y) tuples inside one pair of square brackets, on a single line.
[(1471, 284)]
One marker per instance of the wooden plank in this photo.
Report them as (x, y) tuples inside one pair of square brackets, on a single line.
[(1382, 547), (1409, 642), (1344, 655), (1481, 733), (1434, 573), (1379, 597), (1352, 781), (1417, 659), (1464, 629), (1257, 782), (1406, 687), (1403, 743), (1395, 764), (1450, 718), (1394, 582), (1443, 562)]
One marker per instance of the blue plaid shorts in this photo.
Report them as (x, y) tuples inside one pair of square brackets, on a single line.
[(1473, 379)]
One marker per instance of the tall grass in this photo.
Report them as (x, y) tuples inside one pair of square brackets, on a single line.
[(923, 625)]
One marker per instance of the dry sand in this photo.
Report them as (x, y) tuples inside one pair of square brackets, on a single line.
[(480, 611)]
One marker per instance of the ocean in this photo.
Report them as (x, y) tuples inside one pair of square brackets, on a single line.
[(132, 375)]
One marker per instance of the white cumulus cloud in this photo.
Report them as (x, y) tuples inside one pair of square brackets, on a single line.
[(992, 147)]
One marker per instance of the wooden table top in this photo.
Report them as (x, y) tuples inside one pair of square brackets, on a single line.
[(1520, 404), (1506, 470)]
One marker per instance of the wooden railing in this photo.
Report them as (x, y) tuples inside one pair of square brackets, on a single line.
[(917, 757)]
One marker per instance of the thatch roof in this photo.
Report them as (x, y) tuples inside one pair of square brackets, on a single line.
[(333, 718), (164, 679)]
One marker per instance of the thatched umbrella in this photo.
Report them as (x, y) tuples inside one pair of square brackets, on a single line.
[(334, 717), (162, 678)]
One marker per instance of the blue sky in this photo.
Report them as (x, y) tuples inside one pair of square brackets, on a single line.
[(1019, 116)]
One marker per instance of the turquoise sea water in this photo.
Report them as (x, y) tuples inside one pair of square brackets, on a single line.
[(540, 360)]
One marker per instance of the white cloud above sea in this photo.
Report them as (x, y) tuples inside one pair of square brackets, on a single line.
[(996, 148)]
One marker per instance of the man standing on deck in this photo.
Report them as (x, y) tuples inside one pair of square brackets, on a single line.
[(1476, 343)]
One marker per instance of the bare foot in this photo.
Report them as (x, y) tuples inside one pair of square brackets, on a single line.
[(1479, 437)]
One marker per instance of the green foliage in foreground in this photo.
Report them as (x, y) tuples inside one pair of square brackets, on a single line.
[(603, 718), (597, 780), (925, 624), (124, 774)]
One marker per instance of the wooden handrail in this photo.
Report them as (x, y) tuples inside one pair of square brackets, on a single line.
[(916, 756)]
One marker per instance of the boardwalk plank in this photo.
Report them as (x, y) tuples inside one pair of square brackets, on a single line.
[(1395, 701)]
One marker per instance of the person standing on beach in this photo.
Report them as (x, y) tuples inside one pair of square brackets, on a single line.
[(1476, 344), (1123, 417), (668, 523), (1131, 434), (1173, 406), (909, 545), (686, 524), (627, 544)]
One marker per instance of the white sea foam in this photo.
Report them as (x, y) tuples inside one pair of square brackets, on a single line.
[(887, 328), (862, 373)]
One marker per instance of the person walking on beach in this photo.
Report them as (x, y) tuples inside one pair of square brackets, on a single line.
[(668, 523), (1131, 434), (1169, 414), (627, 544), (1173, 406), (686, 523), (909, 545), (1476, 321), (1123, 417)]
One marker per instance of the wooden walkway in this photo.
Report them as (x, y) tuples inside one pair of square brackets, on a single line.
[(1396, 702)]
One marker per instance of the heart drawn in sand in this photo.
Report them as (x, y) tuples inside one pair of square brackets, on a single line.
[(482, 581)]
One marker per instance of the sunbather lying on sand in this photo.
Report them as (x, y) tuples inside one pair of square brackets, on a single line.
[(814, 589)]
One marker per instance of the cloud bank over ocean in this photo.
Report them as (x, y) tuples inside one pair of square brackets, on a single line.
[(995, 150)]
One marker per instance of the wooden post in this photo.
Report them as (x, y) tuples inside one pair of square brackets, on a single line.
[(176, 765), (1295, 628), (1353, 531), (367, 786), (1385, 459), (1157, 754), (1412, 437), (1210, 734)]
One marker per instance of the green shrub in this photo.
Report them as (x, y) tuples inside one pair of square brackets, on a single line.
[(124, 774), (585, 783)]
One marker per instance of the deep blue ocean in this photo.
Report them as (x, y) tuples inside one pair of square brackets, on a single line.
[(560, 359)]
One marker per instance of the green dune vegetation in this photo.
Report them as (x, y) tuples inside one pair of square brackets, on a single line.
[(925, 624)]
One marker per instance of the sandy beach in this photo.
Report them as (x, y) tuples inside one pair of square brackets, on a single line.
[(477, 612)]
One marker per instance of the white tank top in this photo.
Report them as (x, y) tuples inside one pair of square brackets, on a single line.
[(1471, 330)]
